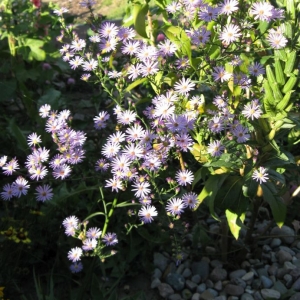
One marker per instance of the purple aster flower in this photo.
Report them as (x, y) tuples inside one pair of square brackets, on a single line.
[(108, 30), (126, 117), (190, 200), (229, 6), (110, 239), (260, 175), (219, 74), (256, 69), (76, 267), (109, 150), (167, 48), (184, 86), (93, 233), (44, 193), (10, 167), (175, 206), (37, 172), (34, 139), (117, 137), (130, 47), (216, 124), (114, 183), (62, 172), (135, 133), (208, 13), (230, 34), (149, 67), (146, 213), (276, 40), (184, 177), (141, 189), (71, 221), (200, 36), (101, 165), (20, 187), (125, 34), (252, 110), (262, 11), (215, 148), (75, 254), (7, 193), (76, 62), (241, 133), (89, 244)]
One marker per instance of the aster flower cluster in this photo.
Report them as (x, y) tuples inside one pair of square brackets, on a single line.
[(69, 143), (92, 239)]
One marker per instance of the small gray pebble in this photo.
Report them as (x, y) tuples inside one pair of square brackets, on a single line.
[(276, 242), (201, 288), (180, 269), (156, 273), (257, 296), (247, 297), (296, 285), (281, 272), (234, 290), (213, 292), (196, 278), (175, 297), (191, 285), (209, 283), (283, 256), (218, 274), (270, 294), (186, 294), (206, 295), (272, 270), (221, 297), (160, 261), (295, 297), (266, 282), (187, 273), (248, 276), (216, 263), (289, 266), (155, 283), (237, 274), (165, 290), (218, 286), (196, 296), (285, 233)]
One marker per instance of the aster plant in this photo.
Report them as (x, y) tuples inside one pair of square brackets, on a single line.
[(204, 111)]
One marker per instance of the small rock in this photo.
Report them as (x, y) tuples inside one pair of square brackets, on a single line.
[(245, 264), (266, 282), (175, 297), (155, 283), (247, 297), (221, 297), (240, 282), (287, 249), (196, 296), (289, 266), (234, 290), (295, 273), (196, 278), (160, 261), (272, 270), (201, 288), (296, 285), (276, 242), (201, 268), (266, 249), (262, 271), (270, 294), (186, 294), (216, 263), (180, 269), (218, 274), (295, 297), (209, 283), (157, 273), (187, 273), (210, 250), (237, 274), (281, 272), (248, 276), (218, 286), (257, 296), (288, 280), (285, 233), (165, 290), (280, 287), (207, 295), (213, 292), (176, 281), (191, 285), (256, 284), (283, 256)]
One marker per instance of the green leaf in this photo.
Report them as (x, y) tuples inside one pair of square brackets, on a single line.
[(139, 16), (156, 85), (51, 97), (135, 84), (209, 192), (36, 52), (232, 222), (16, 132), (277, 206)]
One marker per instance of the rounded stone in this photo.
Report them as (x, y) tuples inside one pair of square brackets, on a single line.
[(155, 283), (218, 274), (160, 261), (157, 273), (175, 297), (237, 274), (186, 294), (165, 290), (283, 256), (196, 278), (234, 290), (201, 288), (248, 276), (176, 281), (187, 273), (191, 285), (196, 296), (201, 268), (295, 297), (247, 297), (285, 233), (276, 242), (266, 282), (270, 294)]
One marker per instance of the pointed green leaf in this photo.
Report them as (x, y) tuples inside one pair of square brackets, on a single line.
[(135, 84), (232, 219), (277, 206), (139, 16)]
